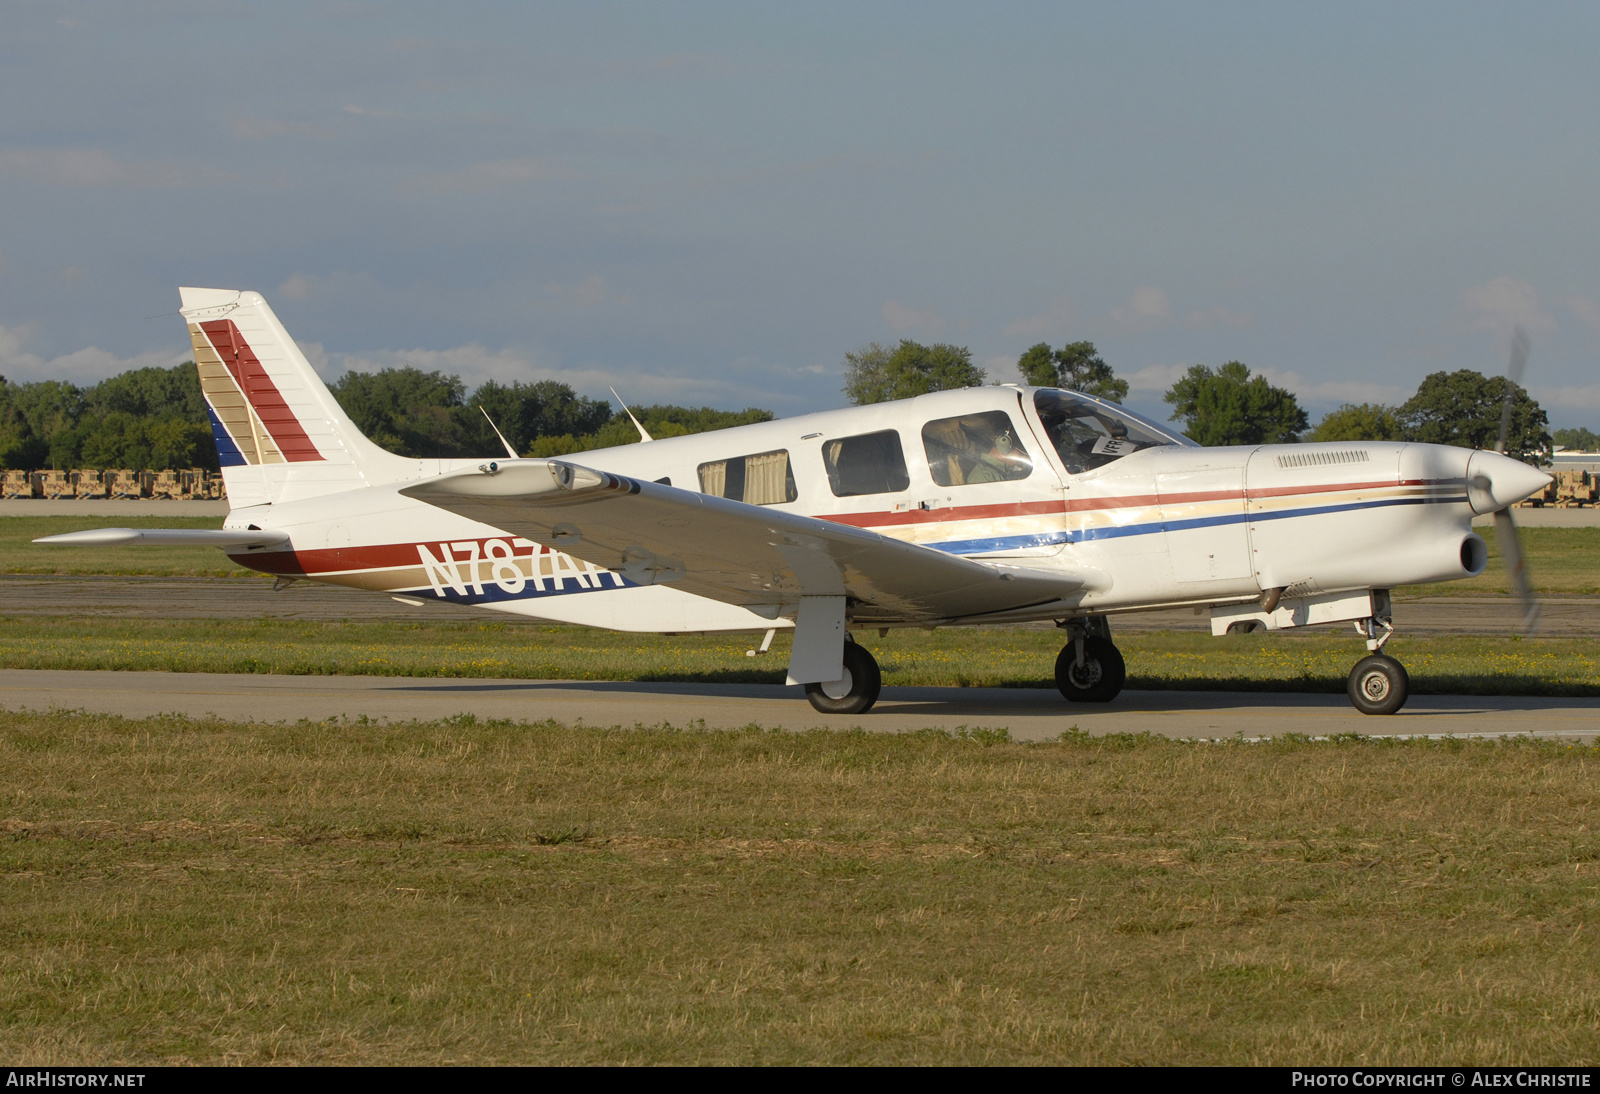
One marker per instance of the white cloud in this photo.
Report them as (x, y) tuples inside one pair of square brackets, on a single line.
[(1162, 377), (1584, 311), (296, 287), (1500, 306), (1336, 391), (258, 128), (1002, 368), (12, 339), (1155, 377), (1147, 308), (475, 363), (493, 175), (1207, 318), (902, 319), (589, 293), (1568, 398), (1056, 321), (318, 357), (86, 366), (93, 167)]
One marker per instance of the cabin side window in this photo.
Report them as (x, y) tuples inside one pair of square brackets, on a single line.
[(975, 448), (763, 479), (870, 463)]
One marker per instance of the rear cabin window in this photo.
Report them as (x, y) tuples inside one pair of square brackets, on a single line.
[(872, 463), (975, 448), (763, 479)]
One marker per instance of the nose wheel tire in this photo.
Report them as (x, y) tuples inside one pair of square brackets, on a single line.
[(1379, 685), (1098, 679), (856, 691)]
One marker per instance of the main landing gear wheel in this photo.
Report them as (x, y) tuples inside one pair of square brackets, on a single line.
[(1379, 685), (1098, 679), (856, 691)]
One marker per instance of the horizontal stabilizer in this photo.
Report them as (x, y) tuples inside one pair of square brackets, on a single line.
[(757, 557), (165, 537)]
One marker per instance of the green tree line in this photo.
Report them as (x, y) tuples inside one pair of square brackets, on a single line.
[(1231, 405), (145, 418), (156, 418), (428, 414)]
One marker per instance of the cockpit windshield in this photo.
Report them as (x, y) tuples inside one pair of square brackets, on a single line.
[(1089, 433)]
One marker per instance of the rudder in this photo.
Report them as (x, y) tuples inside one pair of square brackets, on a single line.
[(280, 433)]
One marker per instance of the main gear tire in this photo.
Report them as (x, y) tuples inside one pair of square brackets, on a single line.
[(1099, 679), (1378, 685), (856, 691)]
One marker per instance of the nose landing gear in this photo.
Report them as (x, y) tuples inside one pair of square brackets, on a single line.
[(1378, 684), (1089, 668)]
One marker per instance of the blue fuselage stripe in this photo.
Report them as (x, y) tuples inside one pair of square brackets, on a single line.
[(1082, 535), (492, 593)]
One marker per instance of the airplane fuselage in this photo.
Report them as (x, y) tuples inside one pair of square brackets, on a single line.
[(984, 505), (1163, 524)]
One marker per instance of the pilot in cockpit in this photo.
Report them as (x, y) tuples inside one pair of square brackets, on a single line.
[(1089, 434)]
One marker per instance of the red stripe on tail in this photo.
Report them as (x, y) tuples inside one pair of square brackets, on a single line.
[(261, 392)]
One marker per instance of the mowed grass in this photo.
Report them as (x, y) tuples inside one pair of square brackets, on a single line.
[(1561, 560), (962, 657), (180, 891), (20, 555)]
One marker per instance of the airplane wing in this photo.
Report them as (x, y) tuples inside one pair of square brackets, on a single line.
[(166, 537), (756, 557)]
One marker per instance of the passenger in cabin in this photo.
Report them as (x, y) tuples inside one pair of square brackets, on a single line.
[(996, 464), (975, 448)]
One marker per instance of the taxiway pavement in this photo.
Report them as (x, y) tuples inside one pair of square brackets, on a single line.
[(253, 598), (1027, 713)]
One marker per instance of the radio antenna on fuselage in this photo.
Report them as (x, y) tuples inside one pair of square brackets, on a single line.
[(644, 434), (512, 452)]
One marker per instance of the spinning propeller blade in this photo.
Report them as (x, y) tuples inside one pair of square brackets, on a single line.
[(1505, 529), (1514, 371)]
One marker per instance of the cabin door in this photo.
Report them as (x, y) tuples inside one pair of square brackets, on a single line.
[(1204, 518)]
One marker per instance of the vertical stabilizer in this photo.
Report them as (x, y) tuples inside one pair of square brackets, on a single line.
[(280, 434)]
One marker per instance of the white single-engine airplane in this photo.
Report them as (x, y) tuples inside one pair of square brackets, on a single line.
[(987, 505)]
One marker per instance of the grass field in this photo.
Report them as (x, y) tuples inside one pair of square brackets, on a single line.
[(176, 891), (1561, 560), (20, 555), (965, 657)]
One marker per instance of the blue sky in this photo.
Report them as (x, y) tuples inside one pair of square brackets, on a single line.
[(710, 203)]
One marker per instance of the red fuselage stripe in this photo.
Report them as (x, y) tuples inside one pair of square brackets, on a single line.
[(379, 556), (1089, 505), (386, 556)]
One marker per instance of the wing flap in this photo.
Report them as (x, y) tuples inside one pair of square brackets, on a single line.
[(756, 557)]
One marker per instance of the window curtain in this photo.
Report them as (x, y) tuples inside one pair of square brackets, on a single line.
[(764, 478), (714, 477)]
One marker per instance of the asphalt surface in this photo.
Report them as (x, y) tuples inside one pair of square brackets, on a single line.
[(253, 598), (1029, 714)]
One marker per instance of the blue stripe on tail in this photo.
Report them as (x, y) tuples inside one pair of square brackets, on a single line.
[(228, 454)]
